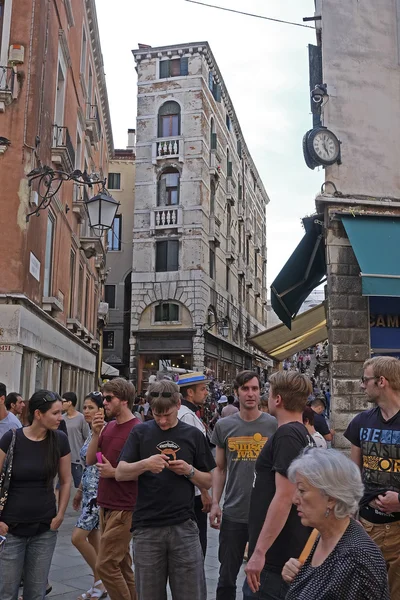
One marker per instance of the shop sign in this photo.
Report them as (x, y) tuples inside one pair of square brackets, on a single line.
[(384, 323)]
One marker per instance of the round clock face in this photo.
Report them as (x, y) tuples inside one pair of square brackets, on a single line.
[(326, 146)]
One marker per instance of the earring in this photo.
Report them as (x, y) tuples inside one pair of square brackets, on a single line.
[(327, 513)]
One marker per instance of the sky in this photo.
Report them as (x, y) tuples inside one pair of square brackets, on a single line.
[(265, 69)]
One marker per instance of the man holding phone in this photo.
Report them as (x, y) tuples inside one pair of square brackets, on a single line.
[(167, 458), (116, 499)]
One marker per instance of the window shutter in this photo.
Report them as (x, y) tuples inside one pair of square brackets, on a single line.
[(164, 69), (211, 81), (229, 169), (239, 148), (184, 65), (218, 92), (239, 191), (162, 192), (161, 256), (213, 141), (172, 255)]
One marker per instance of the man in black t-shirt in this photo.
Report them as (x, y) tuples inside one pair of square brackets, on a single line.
[(167, 458), (375, 447), (318, 405), (275, 529)]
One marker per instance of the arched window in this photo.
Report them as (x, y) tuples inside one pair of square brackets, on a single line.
[(169, 120), (168, 188)]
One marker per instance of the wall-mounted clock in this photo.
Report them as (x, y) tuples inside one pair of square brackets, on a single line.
[(323, 146)]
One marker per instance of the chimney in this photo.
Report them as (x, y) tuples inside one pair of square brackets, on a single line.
[(131, 139)]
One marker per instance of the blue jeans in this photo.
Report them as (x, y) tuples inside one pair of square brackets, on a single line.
[(272, 587), (172, 552), (76, 470), (30, 555)]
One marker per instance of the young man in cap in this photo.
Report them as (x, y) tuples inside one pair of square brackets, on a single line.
[(239, 440), (194, 390), (167, 458)]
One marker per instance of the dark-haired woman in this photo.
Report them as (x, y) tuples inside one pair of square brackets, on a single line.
[(86, 534), (30, 519)]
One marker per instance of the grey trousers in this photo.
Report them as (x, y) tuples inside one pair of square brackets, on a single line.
[(171, 552)]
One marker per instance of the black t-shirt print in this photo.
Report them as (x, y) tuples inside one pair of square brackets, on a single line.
[(281, 449), (166, 498), (30, 498), (379, 441)]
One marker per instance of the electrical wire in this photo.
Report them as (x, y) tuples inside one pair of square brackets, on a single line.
[(240, 12)]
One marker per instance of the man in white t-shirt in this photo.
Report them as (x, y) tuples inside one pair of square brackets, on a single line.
[(7, 419), (194, 390)]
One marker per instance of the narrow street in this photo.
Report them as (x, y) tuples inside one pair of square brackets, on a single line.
[(70, 575)]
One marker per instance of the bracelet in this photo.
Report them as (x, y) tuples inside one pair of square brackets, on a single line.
[(191, 473)]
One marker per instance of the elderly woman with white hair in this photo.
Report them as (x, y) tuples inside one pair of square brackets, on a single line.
[(344, 563)]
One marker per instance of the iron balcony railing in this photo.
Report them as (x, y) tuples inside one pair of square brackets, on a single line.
[(7, 75), (62, 139)]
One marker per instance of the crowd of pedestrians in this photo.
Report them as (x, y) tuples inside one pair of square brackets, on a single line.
[(313, 524)]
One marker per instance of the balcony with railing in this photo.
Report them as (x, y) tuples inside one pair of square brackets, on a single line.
[(62, 150), (8, 86), (166, 217), (171, 147), (93, 124)]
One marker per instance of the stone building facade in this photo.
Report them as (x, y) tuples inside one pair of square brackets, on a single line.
[(117, 289), (199, 248), (53, 111), (361, 68)]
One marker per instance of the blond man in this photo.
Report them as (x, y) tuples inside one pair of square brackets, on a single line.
[(375, 447)]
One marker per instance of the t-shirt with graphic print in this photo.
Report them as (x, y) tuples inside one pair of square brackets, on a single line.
[(166, 498), (379, 441), (242, 442)]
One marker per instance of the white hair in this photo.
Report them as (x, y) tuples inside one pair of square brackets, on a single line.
[(334, 475)]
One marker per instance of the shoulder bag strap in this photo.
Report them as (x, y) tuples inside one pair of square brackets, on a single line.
[(5, 477)]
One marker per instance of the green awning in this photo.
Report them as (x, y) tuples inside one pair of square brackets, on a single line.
[(302, 273), (376, 244)]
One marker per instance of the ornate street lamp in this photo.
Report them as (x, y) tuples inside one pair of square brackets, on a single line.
[(101, 210)]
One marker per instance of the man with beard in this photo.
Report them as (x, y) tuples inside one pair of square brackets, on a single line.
[(239, 440), (116, 499), (375, 447)]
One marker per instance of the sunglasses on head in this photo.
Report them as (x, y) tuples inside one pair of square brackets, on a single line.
[(51, 397), (95, 395), (163, 394)]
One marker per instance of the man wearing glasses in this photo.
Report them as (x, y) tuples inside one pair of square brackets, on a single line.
[(167, 458), (375, 447), (116, 499)]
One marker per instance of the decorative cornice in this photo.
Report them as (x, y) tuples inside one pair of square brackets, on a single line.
[(99, 67), (64, 47), (203, 48)]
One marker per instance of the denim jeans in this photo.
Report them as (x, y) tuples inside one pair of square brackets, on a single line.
[(30, 555), (233, 538), (76, 471), (171, 552), (272, 587)]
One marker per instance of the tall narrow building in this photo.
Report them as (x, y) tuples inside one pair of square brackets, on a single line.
[(199, 248)]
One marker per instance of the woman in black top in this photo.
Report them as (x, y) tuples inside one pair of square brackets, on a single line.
[(30, 519), (344, 563)]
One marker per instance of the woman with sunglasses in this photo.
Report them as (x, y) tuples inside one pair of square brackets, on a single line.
[(30, 519), (86, 534)]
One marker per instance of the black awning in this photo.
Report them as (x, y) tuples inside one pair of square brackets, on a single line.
[(302, 273)]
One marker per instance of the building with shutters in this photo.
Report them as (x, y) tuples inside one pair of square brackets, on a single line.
[(199, 244), (117, 289), (53, 111)]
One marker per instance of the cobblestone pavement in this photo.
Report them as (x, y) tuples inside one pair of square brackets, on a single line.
[(70, 575)]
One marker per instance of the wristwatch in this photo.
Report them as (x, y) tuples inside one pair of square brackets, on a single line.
[(191, 473)]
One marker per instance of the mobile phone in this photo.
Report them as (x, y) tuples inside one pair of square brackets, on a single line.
[(99, 457)]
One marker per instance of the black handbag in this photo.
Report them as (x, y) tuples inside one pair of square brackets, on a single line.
[(5, 475)]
